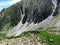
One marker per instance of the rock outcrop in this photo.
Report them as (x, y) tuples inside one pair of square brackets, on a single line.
[(36, 10)]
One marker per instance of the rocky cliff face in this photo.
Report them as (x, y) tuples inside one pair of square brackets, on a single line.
[(36, 10)]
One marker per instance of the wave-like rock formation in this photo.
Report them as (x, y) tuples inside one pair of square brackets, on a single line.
[(35, 14)]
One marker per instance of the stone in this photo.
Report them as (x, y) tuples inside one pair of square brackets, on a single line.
[(50, 40)]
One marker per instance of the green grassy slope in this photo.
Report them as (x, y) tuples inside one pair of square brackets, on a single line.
[(10, 17)]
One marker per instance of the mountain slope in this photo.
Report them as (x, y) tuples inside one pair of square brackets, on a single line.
[(42, 23), (35, 16), (10, 16)]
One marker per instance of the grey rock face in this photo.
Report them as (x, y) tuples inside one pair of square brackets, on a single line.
[(36, 10)]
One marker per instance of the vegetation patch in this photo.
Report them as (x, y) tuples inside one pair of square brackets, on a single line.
[(50, 38), (2, 36)]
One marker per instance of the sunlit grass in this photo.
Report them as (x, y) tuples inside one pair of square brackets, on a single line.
[(47, 36)]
